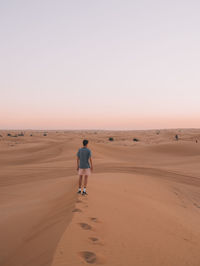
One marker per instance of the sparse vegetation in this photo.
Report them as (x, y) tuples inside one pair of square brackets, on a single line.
[(45, 134), (176, 137), (21, 134), (9, 135), (111, 139), (135, 139)]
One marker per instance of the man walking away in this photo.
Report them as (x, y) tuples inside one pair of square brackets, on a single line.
[(84, 165)]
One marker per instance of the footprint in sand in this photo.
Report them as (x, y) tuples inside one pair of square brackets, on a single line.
[(95, 241), (91, 257), (88, 256), (85, 226), (196, 205), (94, 219), (76, 210)]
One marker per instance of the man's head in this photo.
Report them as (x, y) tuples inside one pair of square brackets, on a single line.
[(85, 142)]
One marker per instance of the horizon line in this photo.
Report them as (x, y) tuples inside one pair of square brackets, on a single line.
[(95, 129)]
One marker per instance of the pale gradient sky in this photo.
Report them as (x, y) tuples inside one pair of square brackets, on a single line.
[(105, 64)]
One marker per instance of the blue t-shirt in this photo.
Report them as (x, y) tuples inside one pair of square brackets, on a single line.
[(84, 154)]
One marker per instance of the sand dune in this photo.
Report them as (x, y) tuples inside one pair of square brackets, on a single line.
[(143, 206)]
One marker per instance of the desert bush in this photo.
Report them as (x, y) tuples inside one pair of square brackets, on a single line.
[(135, 139), (21, 134), (111, 139), (9, 135), (45, 134)]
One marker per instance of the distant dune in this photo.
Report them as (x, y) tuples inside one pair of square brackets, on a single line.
[(143, 206)]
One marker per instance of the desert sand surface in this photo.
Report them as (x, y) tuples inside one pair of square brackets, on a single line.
[(142, 207)]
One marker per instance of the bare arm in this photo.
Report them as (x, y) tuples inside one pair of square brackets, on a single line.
[(77, 160), (91, 165)]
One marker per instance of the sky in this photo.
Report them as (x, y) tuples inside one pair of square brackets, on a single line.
[(106, 64)]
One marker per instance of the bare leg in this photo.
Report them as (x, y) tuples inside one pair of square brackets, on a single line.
[(80, 180), (85, 181)]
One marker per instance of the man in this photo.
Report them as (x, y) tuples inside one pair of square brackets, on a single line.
[(84, 165)]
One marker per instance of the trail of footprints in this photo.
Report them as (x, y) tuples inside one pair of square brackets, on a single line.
[(89, 256)]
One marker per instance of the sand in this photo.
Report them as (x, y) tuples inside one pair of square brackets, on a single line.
[(142, 208)]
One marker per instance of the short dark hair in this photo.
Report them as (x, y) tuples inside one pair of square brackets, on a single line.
[(85, 142)]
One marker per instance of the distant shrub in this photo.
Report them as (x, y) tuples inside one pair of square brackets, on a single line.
[(14, 136), (176, 137), (45, 134), (111, 139), (135, 139), (9, 135), (158, 132), (21, 134), (31, 135)]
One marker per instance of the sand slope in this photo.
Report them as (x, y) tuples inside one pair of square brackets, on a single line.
[(143, 206), (136, 220)]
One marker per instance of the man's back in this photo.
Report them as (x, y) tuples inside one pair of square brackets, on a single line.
[(84, 154)]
